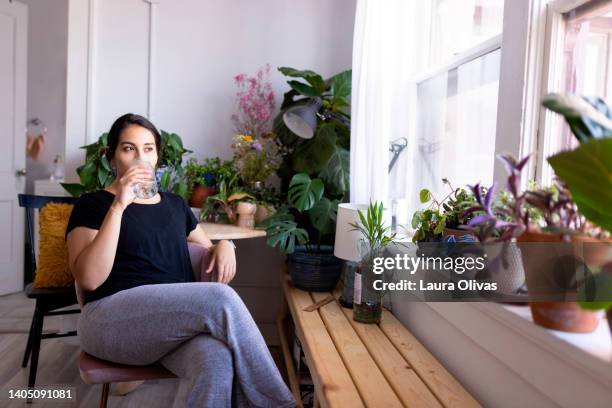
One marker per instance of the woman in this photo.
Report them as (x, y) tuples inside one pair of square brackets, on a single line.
[(130, 257)]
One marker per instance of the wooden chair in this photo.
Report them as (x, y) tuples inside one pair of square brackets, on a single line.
[(48, 300)]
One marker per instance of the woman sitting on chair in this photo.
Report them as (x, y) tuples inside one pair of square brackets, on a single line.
[(130, 258)]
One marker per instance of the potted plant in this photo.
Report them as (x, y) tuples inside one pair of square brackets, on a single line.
[(491, 222), (367, 303), (227, 198), (202, 179), (267, 200), (587, 172), (314, 179), (256, 159), (170, 173), (442, 217), (95, 174)]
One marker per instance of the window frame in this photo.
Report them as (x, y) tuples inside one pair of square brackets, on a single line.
[(551, 77)]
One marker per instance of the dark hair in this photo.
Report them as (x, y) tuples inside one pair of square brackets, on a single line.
[(123, 122)]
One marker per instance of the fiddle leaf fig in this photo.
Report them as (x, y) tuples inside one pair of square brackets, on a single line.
[(303, 89), (315, 80)]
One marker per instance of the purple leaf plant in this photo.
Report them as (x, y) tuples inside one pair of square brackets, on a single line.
[(501, 222)]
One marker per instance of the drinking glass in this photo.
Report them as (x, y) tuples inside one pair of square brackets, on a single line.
[(145, 189)]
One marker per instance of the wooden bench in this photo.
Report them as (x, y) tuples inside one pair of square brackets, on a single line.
[(356, 365)]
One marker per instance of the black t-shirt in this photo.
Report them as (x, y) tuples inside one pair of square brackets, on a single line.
[(152, 246)]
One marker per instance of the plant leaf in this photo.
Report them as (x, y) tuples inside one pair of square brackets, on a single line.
[(303, 89), (165, 180), (283, 231), (304, 192), (74, 189), (323, 215), (341, 84), (587, 171), (586, 117), (314, 154), (425, 196)]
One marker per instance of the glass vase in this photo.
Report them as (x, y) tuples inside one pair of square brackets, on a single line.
[(367, 301)]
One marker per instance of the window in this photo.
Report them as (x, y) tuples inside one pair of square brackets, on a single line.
[(581, 45), (457, 101), (458, 25)]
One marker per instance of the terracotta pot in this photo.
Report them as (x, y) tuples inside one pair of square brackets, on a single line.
[(564, 316), (199, 194), (246, 214), (543, 256)]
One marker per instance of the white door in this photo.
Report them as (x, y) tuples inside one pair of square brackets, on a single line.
[(13, 71)]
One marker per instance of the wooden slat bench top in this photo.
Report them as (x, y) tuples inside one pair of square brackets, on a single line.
[(367, 365)]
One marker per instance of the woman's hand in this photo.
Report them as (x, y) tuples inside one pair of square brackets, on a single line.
[(135, 174), (224, 258)]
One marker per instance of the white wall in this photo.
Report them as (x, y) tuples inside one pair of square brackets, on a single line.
[(185, 80), (47, 50)]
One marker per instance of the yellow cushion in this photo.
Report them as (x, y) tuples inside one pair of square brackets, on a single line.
[(52, 266)]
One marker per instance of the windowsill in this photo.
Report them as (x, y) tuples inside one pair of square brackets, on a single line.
[(598, 343), (588, 353), (488, 344)]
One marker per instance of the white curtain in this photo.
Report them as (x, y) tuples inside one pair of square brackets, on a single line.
[(388, 48)]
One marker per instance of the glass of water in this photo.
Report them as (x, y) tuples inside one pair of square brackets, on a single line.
[(145, 189)]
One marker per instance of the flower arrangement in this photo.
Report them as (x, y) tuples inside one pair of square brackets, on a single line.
[(255, 103), (257, 158)]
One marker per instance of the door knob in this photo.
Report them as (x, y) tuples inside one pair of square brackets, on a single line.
[(21, 172)]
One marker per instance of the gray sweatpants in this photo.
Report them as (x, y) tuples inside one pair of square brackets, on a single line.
[(201, 331)]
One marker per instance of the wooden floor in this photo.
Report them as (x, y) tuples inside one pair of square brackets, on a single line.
[(58, 363)]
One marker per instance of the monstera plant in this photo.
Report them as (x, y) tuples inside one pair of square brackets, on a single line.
[(315, 174)]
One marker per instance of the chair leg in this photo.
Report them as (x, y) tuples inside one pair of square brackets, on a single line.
[(26, 355), (104, 396), (37, 328)]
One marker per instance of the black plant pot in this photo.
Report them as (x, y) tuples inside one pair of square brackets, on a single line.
[(314, 271)]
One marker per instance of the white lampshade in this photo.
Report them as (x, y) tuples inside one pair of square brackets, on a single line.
[(346, 246)]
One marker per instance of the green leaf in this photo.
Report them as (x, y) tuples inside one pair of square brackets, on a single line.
[(180, 188), (596, 293), (336, 174), (341, 85), (296, 73), (312, 77), (105, 163), (165, 180), (314, 154), (304, 192), (88, 169), (323, 215), (589, 118), (103, 139), (74, 189), (282, 230), (587, 171), (425, 196), (303, 89), (102, 175)]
